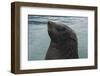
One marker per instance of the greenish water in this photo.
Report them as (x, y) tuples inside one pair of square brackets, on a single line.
[(39, 40)]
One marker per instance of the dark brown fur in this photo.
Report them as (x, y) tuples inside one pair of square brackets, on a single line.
[(63, 42)]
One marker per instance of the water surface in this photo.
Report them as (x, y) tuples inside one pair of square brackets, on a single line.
[(39, 40)]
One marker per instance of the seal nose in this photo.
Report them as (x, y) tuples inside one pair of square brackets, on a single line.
[(50, 24)]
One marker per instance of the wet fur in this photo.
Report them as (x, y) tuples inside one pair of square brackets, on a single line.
[(63, 42)]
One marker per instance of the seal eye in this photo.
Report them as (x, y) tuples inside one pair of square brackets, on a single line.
[(61, 29)]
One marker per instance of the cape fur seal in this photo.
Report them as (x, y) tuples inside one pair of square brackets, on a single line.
[(63, 44)]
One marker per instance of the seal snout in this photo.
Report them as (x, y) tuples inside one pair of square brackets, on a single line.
[(51, 24)]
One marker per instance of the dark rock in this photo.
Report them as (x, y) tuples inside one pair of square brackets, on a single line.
[(63, 44)]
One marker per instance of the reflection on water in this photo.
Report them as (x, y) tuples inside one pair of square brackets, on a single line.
[(39, 40)]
